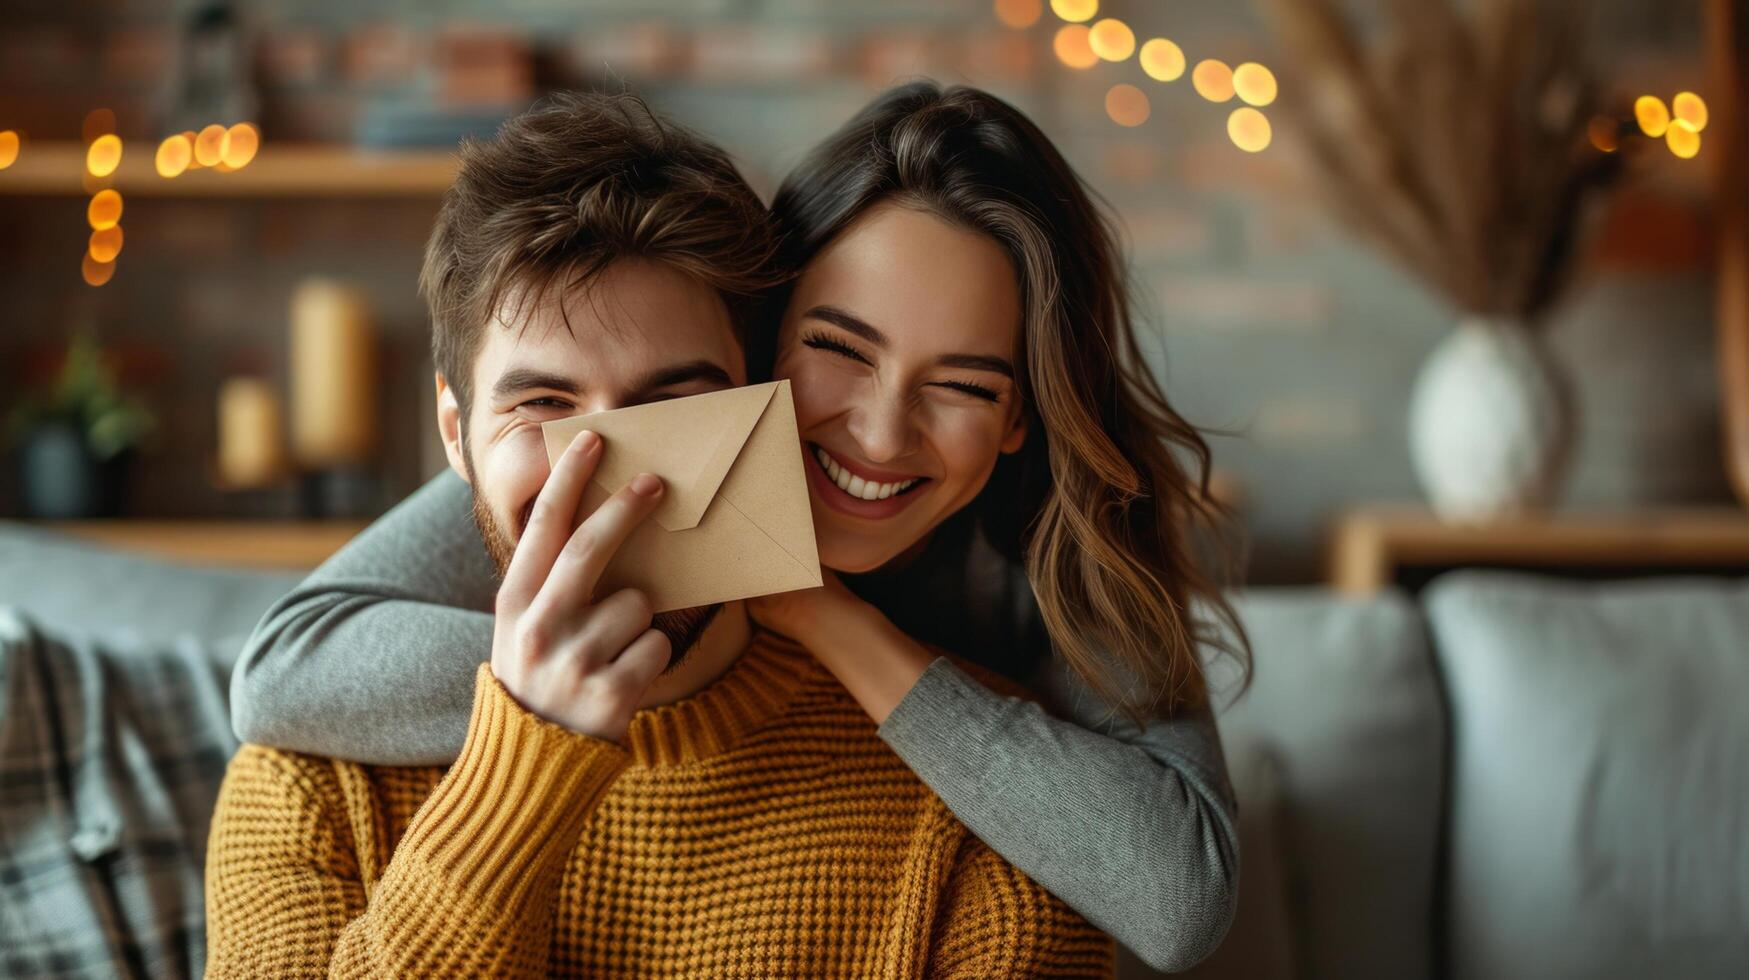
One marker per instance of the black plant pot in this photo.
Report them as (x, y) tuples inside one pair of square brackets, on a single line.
[(63, 481)]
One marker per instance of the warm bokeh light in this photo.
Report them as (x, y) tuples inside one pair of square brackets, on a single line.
[(207, 145), (1163, 60), (98, 122), (1682, 139), (105, 245), (104, 155), (96, 273), (1112, 39), (1075, 11), (1019, 13), (1248, 129), (1213, 80), (1072, 48), (1254, 83), (1691, 109), (239, 146), (1650, 113), (1127, 105), (8, 148), (174, 155), (1605, 133), (105, 209), (190, 135)]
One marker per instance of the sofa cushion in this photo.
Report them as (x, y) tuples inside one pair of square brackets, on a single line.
[(1600, 776), (71, 585), (1345, 702)]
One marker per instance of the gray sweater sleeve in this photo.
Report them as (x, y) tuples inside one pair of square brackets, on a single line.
[(372, 657)]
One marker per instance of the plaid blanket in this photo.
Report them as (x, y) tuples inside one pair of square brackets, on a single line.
[(111, 753)]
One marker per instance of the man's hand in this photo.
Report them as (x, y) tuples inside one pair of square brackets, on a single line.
[(568, 658)]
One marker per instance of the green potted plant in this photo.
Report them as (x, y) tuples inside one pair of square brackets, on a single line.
[(76, 438)]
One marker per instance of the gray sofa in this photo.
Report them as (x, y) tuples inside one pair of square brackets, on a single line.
[(1512, 777)]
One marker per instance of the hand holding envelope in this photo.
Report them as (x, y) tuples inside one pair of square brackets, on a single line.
[(735, 521)]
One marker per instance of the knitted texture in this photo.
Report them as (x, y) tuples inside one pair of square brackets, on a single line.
[(757, 829)]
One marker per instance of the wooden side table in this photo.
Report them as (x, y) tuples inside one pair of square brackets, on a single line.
[(1373, 547)]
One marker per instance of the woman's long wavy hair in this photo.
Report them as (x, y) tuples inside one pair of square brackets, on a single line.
[(1104, 502)]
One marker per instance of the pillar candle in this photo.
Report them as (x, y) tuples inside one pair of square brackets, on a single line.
[(333, 376), (251, 448)]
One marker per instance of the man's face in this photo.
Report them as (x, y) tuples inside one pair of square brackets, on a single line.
[(640, 332)]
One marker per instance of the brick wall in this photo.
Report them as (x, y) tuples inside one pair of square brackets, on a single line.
[(1265, 320)]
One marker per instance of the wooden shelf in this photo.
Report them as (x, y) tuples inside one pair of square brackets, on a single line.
[(279, 170), (256, 544), (1370, 547)]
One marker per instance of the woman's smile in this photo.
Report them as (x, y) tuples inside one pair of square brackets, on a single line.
[(858, 490)]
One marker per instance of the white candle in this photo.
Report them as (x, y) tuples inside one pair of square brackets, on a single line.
[(251, 449), (333, 375)]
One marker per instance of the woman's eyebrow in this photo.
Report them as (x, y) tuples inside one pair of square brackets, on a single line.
[(846, 320), (978, 362), (852, 323)]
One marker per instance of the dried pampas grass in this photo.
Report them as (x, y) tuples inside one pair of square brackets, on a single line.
[(1454, 140)]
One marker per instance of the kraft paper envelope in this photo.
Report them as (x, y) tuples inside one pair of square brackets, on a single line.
[(734, 521)]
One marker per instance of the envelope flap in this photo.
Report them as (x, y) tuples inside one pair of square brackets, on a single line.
[(689, 442)]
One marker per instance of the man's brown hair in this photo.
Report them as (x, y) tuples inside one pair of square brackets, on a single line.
[(566, 189)]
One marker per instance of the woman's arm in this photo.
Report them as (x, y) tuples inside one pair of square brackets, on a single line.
[(1135, 829), (372, 657)]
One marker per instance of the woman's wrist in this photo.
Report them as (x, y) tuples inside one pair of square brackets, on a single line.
[(874, 660)]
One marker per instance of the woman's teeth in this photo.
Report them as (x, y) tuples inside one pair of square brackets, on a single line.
[(856, 486)]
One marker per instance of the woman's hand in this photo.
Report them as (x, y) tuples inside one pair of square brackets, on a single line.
[(875, 661), (807, 615)]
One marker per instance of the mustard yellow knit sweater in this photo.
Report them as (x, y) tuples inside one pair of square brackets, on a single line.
[(757, 829)]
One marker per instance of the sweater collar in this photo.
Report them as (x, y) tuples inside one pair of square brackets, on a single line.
[(755, 688)]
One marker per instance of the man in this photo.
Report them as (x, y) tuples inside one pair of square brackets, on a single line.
[(637, 795)]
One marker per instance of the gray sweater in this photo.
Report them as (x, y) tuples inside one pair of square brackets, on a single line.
[(372, 659)]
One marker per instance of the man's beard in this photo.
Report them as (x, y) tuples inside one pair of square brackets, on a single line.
[(683, 627)]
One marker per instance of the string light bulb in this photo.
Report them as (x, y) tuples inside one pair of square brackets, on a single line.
[(1112, 39), (1213, 80), (9, 144), (104, 211), (1019, 14), (1072, 48), (105, 244), (207, 144), (238, 146), (1163, 60), (174, 155), (1249, 129), (1691, 109), (103, 155), (1254, 83), (1682, 140), (1653, 117), (1075, 11), (96, 273), (1127, 105)]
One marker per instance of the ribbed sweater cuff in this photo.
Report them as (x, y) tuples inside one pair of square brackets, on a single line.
[(512, 807)]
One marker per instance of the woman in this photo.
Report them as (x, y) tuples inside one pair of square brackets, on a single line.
[(994, 470)]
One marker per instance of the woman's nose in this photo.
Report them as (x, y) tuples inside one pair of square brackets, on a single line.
[(883, 428)]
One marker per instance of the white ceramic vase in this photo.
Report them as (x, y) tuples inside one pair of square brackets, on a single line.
[(1490, 423)]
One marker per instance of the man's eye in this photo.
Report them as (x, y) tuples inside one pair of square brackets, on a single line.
[(543, 403)]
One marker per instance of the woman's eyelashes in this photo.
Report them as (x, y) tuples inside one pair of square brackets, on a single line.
[(820, 341)]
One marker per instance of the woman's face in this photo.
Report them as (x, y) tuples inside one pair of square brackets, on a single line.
[(901, 343)]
